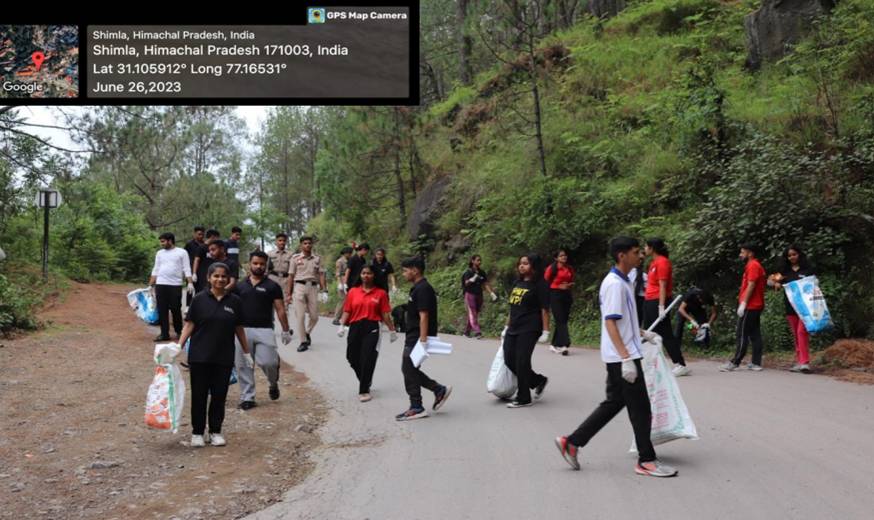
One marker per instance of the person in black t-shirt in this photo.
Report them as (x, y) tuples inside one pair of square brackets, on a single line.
[(217, 253), (383, 272), (353, 270), (193, 248), (693, 309), (793, 267), (232, 245), (421, 323), (212, 321), (473, 281), (261, 297), (201, 261), (527, 325)]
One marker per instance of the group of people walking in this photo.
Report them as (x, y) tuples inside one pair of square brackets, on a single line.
[(232, 323)]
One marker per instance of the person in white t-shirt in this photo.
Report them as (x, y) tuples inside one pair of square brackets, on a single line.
[(172, 269), (621, 351)]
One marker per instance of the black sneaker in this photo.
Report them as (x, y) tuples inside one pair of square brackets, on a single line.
[(247, 405), (538, 391), (162, 338), (412, 413), (274, 392), (309, 340), (440, 397), (303, 347)]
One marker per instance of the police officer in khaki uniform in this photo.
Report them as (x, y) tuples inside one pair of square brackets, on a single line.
[(277, 268), (306, 278)]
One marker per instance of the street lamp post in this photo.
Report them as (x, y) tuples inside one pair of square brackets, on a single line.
[(46, 198)]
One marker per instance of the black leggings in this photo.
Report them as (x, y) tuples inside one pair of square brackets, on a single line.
[(361, 351), (663, 329), (560, 301), (518, 350), (208, 380)]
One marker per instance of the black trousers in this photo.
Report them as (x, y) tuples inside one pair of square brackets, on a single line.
[(169, 298), (518, 350), (663, 329), (361, 352), (415, 379), (621, 393), (209, 382), (749, 330), (560, 301)]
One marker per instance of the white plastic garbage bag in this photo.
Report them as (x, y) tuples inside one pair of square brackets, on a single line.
[(141, 301), (670, 417), (808, 301), (502, 381), (166, 396)]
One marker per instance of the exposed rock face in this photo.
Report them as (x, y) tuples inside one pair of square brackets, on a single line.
[(427, 208), (773, 28), (606, 8)]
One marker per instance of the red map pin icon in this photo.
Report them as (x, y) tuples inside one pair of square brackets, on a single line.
[(38, 58)]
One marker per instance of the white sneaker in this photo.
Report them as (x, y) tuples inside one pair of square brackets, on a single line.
[(217, 440), (805, 368), (197, 441), (681, 370), (553, 349), (754, 367)]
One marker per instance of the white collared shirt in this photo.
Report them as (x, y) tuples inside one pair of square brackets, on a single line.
[(171, 266), (618, 304)]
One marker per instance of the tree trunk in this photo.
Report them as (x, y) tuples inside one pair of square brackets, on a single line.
[(402, 202), (465, 43)]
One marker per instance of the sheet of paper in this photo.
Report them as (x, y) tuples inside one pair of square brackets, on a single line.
[(418, 354)]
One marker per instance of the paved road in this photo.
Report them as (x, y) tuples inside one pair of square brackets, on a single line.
[(773, 445)]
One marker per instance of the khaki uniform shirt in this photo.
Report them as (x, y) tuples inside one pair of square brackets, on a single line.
[(306, 268), (279, 262)]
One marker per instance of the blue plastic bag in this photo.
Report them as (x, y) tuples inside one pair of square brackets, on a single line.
[(144, 305), (808, 301)]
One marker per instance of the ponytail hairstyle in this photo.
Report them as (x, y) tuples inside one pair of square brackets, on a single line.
[(553, 267)]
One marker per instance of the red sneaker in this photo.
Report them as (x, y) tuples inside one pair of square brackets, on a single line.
[(568, 451)]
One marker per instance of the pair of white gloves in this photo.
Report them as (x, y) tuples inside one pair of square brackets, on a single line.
[(544, 336), (393, 336)]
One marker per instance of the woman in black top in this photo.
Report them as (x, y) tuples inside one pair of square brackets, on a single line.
[(794, 266), (527, 325), (473, 281), (214, 318)]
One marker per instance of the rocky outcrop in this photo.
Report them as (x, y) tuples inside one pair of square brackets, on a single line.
[(772, 29), (427, 208), (606, 8)]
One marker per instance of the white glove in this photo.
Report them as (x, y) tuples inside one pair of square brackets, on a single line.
[(705, 326), (649, 335), (190, 288), (544, 337), (393, 336), (323, 296), (504, 332), (661, 311), (494, 297), (152, 292), (342, 331), (194, 278), (394, 290), (286, 337), (695, 324), (741, 309), (248, 360), (473, 279), (629, 370), (345, 288), (340, 286)]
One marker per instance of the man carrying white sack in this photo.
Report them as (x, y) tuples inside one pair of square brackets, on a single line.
[(260, 297), (622, 353)]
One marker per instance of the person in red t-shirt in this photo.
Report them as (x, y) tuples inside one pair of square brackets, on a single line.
[(751, 302), (560, 277), (366, 305), (659, 290)]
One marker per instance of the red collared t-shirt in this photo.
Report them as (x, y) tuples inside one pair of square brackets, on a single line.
[(754, 272), (659, 269), (363, 305), (564, 274)]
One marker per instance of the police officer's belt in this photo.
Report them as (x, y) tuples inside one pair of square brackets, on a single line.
[(281, 275), (304, 282)]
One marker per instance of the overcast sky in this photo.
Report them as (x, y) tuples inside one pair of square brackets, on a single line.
[(253, 115)]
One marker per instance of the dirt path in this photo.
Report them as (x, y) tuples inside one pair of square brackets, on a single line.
[(73, 443)]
